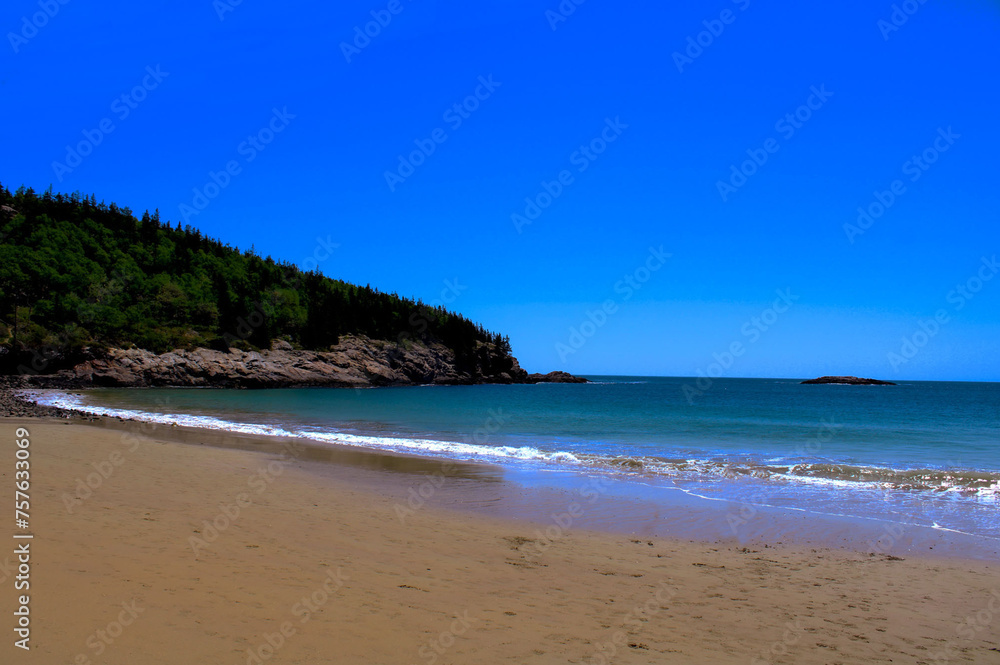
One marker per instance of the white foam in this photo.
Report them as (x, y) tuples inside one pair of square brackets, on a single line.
[(398, 444), (704, 468), (453, 448)]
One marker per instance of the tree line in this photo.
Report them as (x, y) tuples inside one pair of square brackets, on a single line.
[(76, 274)]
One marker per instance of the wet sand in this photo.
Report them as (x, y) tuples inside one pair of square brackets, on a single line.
[(202, 547)]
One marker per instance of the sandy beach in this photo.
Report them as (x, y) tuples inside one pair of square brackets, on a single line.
[(155, 549)]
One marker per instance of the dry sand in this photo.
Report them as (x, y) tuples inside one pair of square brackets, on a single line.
[(443, 587)]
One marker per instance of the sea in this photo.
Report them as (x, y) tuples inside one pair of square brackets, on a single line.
[(886, 468)]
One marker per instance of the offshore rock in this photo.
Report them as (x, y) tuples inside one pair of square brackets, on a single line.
[(850, 381)]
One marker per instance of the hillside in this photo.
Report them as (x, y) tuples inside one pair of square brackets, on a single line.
[(81, 282)]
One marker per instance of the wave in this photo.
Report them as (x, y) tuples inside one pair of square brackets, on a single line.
[(984, 484), (398, 444), (974, 483)]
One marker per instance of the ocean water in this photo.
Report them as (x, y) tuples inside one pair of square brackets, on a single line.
[(920, 454)]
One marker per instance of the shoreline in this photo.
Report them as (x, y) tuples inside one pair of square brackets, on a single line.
[(545, 500), (615, 503), (392, 590)]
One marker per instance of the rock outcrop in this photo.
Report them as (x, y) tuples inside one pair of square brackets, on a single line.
[(354, 362), (850, 381), (555, 377)]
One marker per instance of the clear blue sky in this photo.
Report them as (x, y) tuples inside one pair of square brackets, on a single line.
[(677, 124)]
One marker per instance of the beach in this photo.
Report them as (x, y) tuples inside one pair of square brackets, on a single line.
[(170, 546)]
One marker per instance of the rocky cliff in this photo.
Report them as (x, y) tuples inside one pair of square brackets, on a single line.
[(353, 362)]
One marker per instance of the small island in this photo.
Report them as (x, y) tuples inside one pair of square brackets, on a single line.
[(850, 381), (555, 377)]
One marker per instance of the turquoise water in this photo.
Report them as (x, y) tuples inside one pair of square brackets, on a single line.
[(921, 453)]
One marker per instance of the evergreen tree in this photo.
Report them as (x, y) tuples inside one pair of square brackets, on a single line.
[(76, 273)]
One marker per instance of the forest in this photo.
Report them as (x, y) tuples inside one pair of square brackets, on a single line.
[(76, 274)]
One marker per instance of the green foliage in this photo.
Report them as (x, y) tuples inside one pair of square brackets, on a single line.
[(87, 274)]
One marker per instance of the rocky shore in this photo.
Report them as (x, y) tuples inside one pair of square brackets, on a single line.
[(355, 362), (12, 406)]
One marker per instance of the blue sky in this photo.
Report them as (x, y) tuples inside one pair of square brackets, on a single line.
[(641, 137)]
